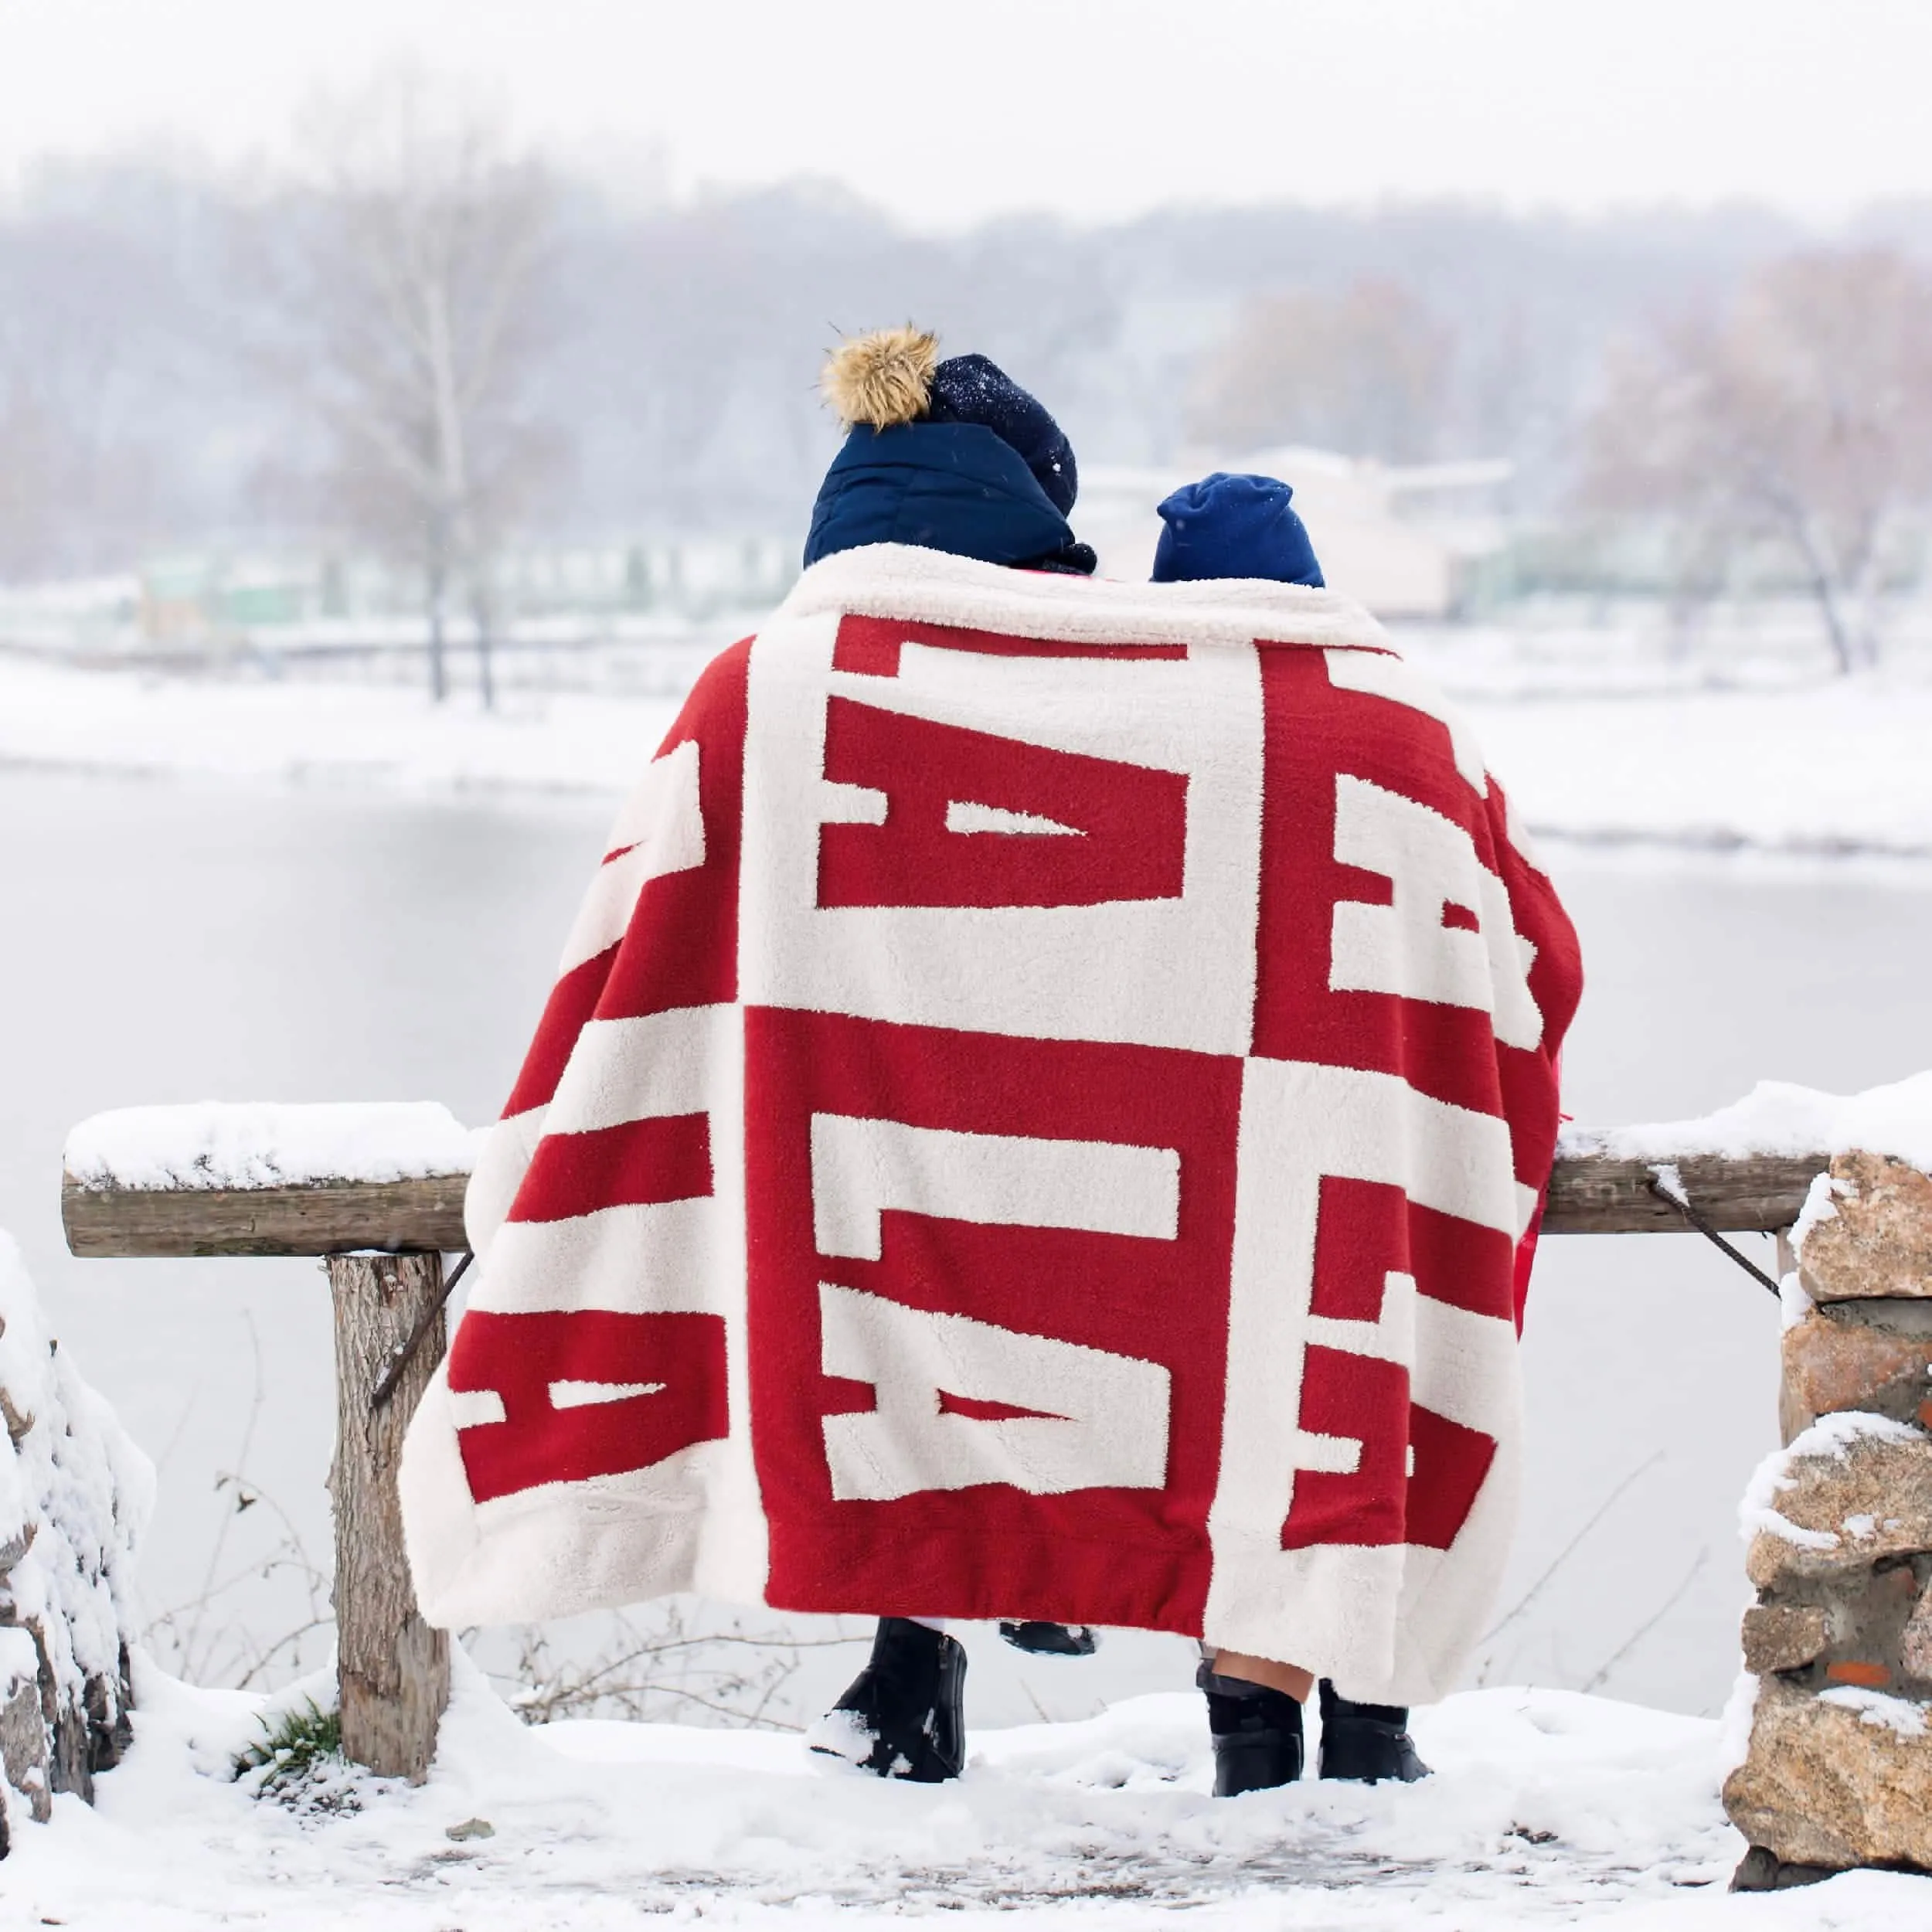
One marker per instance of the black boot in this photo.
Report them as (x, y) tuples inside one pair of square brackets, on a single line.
[(1365, 1743), (1257, 1732), (1051, 1640), (903, 1715)]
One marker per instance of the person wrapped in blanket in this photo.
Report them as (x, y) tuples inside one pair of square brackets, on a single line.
[(953, 455), (1228, 525)]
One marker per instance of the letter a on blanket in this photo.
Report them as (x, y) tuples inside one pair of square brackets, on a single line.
[(1042, 1115)]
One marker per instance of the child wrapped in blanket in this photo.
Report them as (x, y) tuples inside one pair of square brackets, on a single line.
[(1228, 525)]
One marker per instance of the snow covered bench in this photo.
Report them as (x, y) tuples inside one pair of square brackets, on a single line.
[(378, 1190)]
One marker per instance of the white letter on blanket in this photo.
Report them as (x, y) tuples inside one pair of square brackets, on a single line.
[(1404, 947), (1098, 1421), (861, 1168)]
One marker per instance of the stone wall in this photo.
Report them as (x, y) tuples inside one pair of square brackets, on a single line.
[(1838, 1772), (74, 1494)]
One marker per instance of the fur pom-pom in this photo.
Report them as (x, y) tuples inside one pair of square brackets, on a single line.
[(882, 378)]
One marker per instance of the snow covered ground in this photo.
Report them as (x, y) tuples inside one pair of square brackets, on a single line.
[(1548, 1809), (1800, 766)]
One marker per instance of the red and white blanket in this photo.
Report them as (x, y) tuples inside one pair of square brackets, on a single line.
[(1037, 1118)]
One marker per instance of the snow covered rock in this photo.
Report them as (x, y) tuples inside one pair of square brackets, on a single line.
[(1876, 1239), (75, 1494), (1852, 1489), (1839, 1769), (1781, 1637), (1839, 1356), (1835, 1781)]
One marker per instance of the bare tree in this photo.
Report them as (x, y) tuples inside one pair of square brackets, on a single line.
[(1802, 414), (1365, 372), (419, 312)]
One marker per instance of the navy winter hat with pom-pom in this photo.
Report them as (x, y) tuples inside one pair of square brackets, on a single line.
[(972, 388), (952, 456), (1234, 526)]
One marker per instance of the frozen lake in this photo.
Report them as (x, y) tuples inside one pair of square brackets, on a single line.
[(174, 943)]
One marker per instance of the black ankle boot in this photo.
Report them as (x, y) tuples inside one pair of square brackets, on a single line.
[(1257, 1732), (903, 1715), (1366, 1742)]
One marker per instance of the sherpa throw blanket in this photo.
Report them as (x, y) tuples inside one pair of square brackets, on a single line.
[(1037, 1117)]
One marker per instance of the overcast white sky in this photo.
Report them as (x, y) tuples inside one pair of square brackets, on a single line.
[(945, 112)]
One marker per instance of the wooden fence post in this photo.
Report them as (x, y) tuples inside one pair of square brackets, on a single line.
[(394, 1670)]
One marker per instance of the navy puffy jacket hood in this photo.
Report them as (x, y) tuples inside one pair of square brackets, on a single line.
[(955, 487), (1227, 525)]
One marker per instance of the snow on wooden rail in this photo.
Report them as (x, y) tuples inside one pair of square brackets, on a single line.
[(1589, 1194), (327, 1180), (1600, 1193), (254, 1179)]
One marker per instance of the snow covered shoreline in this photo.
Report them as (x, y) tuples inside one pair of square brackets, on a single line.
[(1822, 771), (382, 737), (1838, 770)]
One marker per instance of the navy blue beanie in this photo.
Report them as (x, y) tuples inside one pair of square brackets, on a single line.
[(971, 389), (1234, 526)]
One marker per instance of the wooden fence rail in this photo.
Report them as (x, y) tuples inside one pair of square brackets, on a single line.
[(394, 1669), (1589, 1194), (326, 1217)]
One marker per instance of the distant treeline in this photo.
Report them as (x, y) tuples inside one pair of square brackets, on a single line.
[(147, 399)]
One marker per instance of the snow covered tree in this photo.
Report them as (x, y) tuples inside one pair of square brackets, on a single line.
[(75, 1498), (1802, 413), (417, 303)]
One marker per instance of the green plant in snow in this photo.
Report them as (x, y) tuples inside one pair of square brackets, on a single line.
[(298, 1762)]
